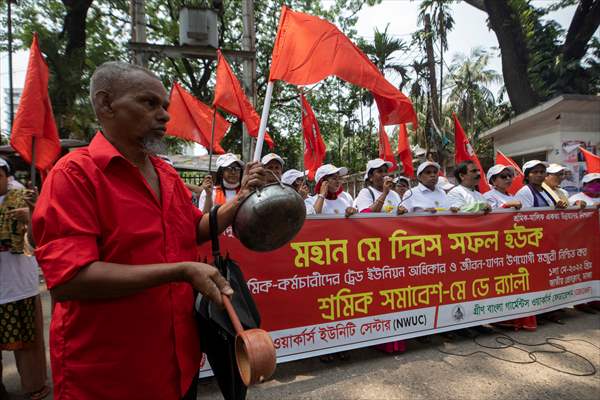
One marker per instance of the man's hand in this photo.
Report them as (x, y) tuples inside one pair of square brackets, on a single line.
[(303, 190), (516, 204), (580, 204), (254, 177), (207, 280), (20, 214), (454, 209), (401, 210), (561, 204), (388, 184), (207, 185), (324, 188), (31, 196), (350, 211), (430, 210)]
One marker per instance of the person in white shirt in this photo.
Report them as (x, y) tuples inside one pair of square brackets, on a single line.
[(465, 196), (228, 180), (590, 192), (555, 175), (274, 166), (330, 197), (378, 194), (297, 180), (427, 196), (501, 177), (402, 187), (533, 194)]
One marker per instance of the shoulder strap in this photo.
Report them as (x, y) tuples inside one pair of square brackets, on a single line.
[(372, 194), (214, 236)]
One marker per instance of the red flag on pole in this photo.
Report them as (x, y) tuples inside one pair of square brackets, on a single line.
[(192, 120), (385, 150), (230, 97), (463, 151), (314, 152), (592, 161), (34, 117), (309, 49), (517, 182), (404, 151)]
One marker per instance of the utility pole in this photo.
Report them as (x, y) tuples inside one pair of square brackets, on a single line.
[(249, 77), (137, 9)]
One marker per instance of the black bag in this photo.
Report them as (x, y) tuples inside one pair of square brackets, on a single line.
[(217, 335)]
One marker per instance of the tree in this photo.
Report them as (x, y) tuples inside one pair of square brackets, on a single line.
[(539, 60)]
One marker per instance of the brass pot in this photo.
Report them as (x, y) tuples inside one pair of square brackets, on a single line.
[(269, 217)]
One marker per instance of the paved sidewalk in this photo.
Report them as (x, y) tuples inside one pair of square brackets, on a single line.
[(423, 372)]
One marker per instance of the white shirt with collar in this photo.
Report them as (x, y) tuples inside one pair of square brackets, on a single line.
[(367, 196), (584, 197), (423, 198), (525, 196), (337, 206), (497, 199), (461, 196)]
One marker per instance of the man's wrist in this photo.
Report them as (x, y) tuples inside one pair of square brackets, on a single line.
[(321, 196)]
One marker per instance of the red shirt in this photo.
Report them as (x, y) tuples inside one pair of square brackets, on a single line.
[(96, 205)]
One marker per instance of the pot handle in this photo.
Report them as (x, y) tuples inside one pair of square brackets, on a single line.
[(237, 325)]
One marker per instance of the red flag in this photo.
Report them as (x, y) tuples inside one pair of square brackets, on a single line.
[(463, 151), (314, 153), (34, 117), (192, 120), (385, 150), (404, 151), (309, 49), (230, 97), (592, 161), (517, 182)]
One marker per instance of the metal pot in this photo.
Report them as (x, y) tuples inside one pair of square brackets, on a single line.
[(269, 217), (254, 350)]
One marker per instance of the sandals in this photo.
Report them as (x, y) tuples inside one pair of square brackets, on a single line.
[(40, 394)]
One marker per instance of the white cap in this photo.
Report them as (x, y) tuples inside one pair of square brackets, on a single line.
[(3, 163), (270, 157), (329, 169), (291, 175), (402, 178), (376, 163), (555, 168), (533, 164), (426, 164), (496, 169), (587, 178), (225, 160), (444, 183)]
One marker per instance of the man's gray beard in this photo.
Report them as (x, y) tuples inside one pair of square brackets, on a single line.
[(154, 145)]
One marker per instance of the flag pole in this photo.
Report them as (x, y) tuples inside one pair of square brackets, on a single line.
[(33, 171), (212, 140), (301, 129), (263, 122)]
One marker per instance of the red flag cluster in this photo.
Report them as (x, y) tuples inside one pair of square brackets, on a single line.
[(314, 152), (230, 97), (308, 49), (463, 151), (34, 117), (191, 119)]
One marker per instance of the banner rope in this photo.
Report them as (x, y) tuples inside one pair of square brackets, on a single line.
[(505, 342)]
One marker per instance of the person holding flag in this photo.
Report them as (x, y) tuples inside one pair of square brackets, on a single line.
[(501, 178), (228, 182)]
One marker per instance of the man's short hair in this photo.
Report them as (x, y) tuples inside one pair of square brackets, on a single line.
[(462, 168), (113, 74)]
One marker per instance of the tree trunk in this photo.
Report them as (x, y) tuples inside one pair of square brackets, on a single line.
[(431, 68), (583, 25), (515, 58)]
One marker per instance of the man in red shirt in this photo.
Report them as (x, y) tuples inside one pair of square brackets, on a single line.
[(117, 235)]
